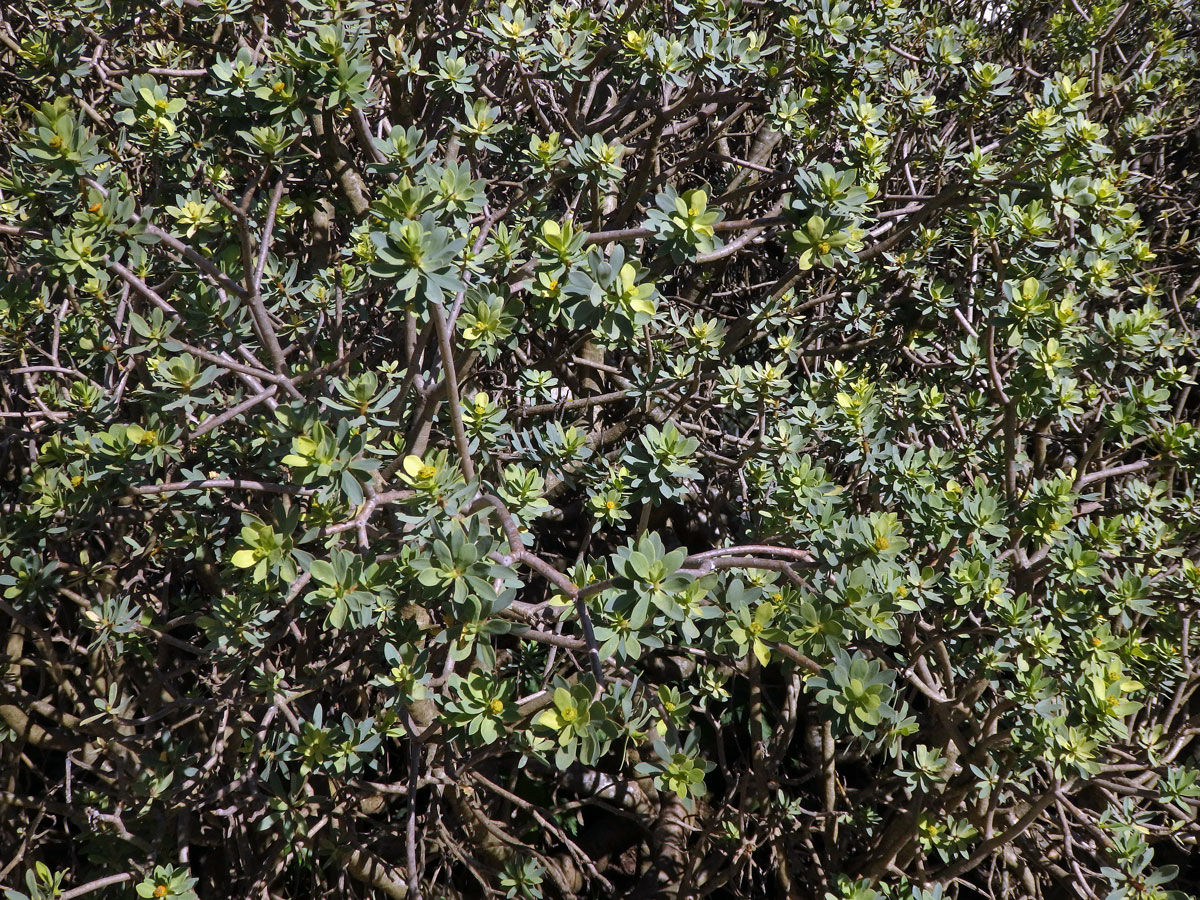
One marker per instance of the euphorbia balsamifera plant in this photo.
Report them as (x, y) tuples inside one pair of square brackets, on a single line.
[(599, 449)]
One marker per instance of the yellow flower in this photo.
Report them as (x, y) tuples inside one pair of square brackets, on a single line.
[(417, 469)]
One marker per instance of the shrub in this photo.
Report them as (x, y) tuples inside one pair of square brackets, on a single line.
[(582, 449)]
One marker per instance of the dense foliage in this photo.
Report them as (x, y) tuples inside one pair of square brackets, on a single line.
[(599, 448)]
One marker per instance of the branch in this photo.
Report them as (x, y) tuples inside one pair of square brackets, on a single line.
[(180, 247), (99, 883), (232, 413), (252, 271), (371, 870), (452, 397), (518, 552), (982, 852), (221, 360), (1114, 472)]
